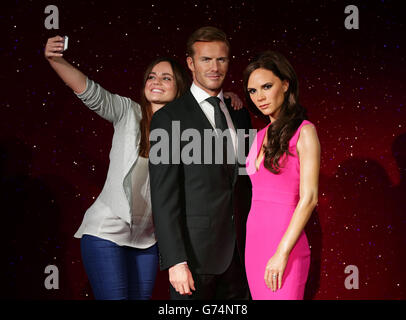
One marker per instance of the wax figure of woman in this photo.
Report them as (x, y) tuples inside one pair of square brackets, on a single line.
[(283, 165), (118, 243)]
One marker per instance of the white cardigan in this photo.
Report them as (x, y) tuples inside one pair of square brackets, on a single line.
[(115, 198)]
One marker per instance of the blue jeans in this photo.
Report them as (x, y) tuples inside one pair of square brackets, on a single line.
[(119, 272)]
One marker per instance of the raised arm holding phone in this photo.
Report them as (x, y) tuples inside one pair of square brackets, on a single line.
[(118, 242)]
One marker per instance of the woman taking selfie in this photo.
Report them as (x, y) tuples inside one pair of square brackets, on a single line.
[(118, 243)]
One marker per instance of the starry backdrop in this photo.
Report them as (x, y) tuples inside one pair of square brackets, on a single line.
[(54, 151)]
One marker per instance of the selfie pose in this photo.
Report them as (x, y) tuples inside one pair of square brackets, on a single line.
[(118, 242), (283, 165)]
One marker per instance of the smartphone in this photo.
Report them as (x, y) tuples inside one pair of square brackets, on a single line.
[(65, 43)]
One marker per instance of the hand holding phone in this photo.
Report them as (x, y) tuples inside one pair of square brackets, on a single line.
[(55, 47)]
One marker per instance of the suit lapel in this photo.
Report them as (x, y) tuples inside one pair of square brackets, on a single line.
[(231, 113), (196, 112), (233, 172), (200, 119)]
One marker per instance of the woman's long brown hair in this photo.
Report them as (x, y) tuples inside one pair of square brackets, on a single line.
[(291, 115), (182, 82)]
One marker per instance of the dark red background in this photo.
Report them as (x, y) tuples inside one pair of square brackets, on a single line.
[(54, 151)]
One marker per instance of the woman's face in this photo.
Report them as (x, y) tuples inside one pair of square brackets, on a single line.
[(160, 87), (267, 91)]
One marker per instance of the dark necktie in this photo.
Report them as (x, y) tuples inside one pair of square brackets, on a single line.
[(221, 123), (219, 117)]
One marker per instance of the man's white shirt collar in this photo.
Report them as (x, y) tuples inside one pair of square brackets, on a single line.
[(201, 95)]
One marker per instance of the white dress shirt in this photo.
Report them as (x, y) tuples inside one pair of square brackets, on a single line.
[(200, 95)]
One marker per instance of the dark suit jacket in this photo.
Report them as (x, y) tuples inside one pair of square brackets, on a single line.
[(243, 187), (192, 204)]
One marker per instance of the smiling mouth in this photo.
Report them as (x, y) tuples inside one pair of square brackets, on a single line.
[(157, 91)]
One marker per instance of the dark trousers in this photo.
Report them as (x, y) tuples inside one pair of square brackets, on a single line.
[(119, 272), (230, 285)]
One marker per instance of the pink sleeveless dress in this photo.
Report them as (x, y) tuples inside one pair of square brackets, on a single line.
[(274, 199)]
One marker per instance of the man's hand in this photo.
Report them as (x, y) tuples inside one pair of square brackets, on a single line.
[(236, 102), (181, 279)]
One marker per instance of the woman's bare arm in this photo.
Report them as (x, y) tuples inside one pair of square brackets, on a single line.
[(73, 77)]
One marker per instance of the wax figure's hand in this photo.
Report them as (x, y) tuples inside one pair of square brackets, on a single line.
[(181, 279), (236, 102), (54, 47), (275, 266)]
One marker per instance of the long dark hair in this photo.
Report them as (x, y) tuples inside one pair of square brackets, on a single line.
[(182, 81), (292, 113)]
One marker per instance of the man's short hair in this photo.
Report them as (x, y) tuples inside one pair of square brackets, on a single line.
[(205, 34)]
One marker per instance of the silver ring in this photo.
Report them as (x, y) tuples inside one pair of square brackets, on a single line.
[(274, 276)]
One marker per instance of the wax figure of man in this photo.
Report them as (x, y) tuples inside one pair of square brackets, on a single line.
[(194, 203)]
